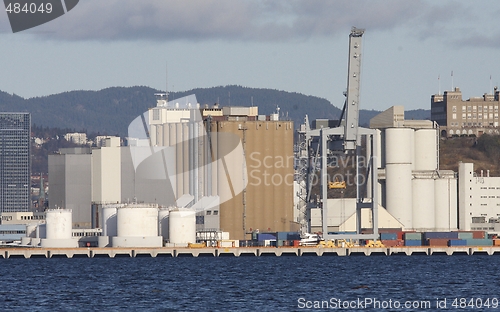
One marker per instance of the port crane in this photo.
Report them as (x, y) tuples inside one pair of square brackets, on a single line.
[(317, 144)]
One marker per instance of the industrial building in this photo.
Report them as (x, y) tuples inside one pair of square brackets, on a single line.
[(229, 164), (414, 194), (479, 200), (414, 190), (457, 117), (15, 162)]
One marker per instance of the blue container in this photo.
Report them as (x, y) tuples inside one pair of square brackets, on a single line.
[(388, 236), (265, 236), (457, 242), (293, 236), (410, 242), (446, 235)]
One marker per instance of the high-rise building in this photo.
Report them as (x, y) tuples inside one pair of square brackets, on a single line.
[(475, 116), (15, 169)]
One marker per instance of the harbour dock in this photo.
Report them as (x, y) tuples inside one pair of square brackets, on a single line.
[(19, 252)]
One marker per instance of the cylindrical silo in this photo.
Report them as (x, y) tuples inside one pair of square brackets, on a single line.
[(108, 221), (182, 226), (398, 170), (398, 145), (445, 204), (425, 149), (59, 224), (423, 205), (137, 220), (163, 215), (399, 193)]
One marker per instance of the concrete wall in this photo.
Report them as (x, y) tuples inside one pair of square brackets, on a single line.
[(268, 149)]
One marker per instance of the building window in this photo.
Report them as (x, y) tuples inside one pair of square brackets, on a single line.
[(469, 108), (480, 116), (454, 116), (463, 108), (463, 116), (480, 108)]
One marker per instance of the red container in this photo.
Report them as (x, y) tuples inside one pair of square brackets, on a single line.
[(296, 243), (393, 242), (496, 242), (478, 234), (437, 242)]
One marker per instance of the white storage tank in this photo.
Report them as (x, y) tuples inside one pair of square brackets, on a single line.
[(108, 219), (423, 205), (425, 149), (399, 193), (182, 226), (58, 224), (163, 219), (445, 204), (398, 146), (137, 220)]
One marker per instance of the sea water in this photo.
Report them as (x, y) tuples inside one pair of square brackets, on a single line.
[(375, 283)]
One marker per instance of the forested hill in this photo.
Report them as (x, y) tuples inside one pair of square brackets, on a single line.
[(109, 111)]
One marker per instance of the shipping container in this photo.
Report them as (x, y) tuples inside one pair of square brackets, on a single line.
[(480, 242), (465, 235), (496, 242), (296, 243), (410, 242), (437, 242), (412, 236), (265, 236), (440, 235), (388, 236), (393, 243), (457, 242)]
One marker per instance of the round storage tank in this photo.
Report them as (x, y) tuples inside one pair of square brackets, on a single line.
[(137, 220), (163, 215), (182, 226), (398, 146), (108, 220), (58, 224), (445, 203), (425, 149), (399, 193), (423, 205)]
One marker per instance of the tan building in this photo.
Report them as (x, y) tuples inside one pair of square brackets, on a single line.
[(456, 117), (266, 203)]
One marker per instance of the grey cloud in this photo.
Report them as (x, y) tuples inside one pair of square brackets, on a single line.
[(249, 20)]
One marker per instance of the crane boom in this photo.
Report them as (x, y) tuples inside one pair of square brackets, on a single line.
[(351, 105)]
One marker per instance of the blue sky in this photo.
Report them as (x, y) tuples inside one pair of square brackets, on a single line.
[(296, 46)]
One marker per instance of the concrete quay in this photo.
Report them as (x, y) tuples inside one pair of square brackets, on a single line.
[(21, 252)]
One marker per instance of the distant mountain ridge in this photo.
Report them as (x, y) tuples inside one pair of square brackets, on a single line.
[(110, 110)]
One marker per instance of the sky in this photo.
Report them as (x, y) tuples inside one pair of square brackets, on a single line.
[(410, 48)]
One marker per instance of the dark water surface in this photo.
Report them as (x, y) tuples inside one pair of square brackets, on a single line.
[(250, 283)]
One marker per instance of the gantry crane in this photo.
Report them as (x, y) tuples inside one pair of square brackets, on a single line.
[(346, 139)]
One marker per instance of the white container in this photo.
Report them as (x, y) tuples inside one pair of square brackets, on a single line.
[(163, 220), (182, 226), (58, 224), (399, 193), (446, 204), (399, 146), (423, 205), (108, 220), (137, 220), (425, 149)]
